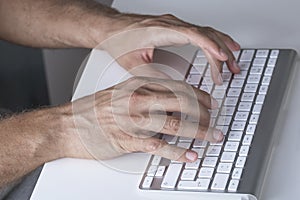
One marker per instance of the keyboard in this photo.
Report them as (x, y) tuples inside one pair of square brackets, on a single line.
[(249, 103)]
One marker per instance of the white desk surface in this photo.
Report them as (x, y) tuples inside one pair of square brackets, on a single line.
[(268, 23)]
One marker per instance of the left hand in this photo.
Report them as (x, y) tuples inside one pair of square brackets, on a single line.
[(133, 44)]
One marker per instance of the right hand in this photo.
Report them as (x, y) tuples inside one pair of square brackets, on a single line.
[(125, 118)]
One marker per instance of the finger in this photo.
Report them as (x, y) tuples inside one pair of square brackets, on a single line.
[(215, 67), (178, 86), (231, 62), (231, 44), (208, 45), (162, 148), (178, 127), (182, 103)]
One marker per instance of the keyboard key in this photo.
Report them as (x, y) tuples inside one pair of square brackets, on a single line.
[(231, 146), (247, 139), (259, 62), (248, 97), (257, 70), (147, 182), (220, 181), (160, 171), (185, 145), (244, 150), (218, 94), (257, 108), (238, 126), (200, 143), (193, 79), (156, 160), (200, 53), (224, 86), (245, 106), (171, 176), (241, 75), (237, 173), (233, 185), (250, 87), (185, 139), (274, 54), (188, 174), (152, 170), (247, 55), (253, 119), (272, 62), (226, 76), (206, 172), (207, 81), (241, 116), (260, 99), (269, 71), (224, 168), (266, 80), (244, 66), (263, 89), (210, 161), (235, 136), (262, 53), (200, 68), (193, 165), (224, 120), (199, 184), (193, 70), (240, 162), (227, 111), (228, 156), (234, 92), (237, 83), (213, 151), (206, 88), (230, 101), (214, 113), (251, 129), (253, 78)]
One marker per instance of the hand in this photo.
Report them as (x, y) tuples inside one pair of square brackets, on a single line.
[(133, 44), (125, 118)]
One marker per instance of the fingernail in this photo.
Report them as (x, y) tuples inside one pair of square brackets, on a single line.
[(214, 103), (218, 135), (192, 156)]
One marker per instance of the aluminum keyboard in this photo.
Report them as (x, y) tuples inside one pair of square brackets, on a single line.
[(241, 97)]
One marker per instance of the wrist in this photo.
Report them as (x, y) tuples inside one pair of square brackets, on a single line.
[(69, 138)]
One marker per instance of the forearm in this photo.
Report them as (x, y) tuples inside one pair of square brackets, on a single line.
[(56, 23), (30, 139)]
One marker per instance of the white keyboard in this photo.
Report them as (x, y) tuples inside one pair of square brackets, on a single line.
[(241, 98)]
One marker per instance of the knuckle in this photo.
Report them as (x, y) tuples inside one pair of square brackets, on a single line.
[(203, 130), (169, 16), (172, 124), (154, 145)]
